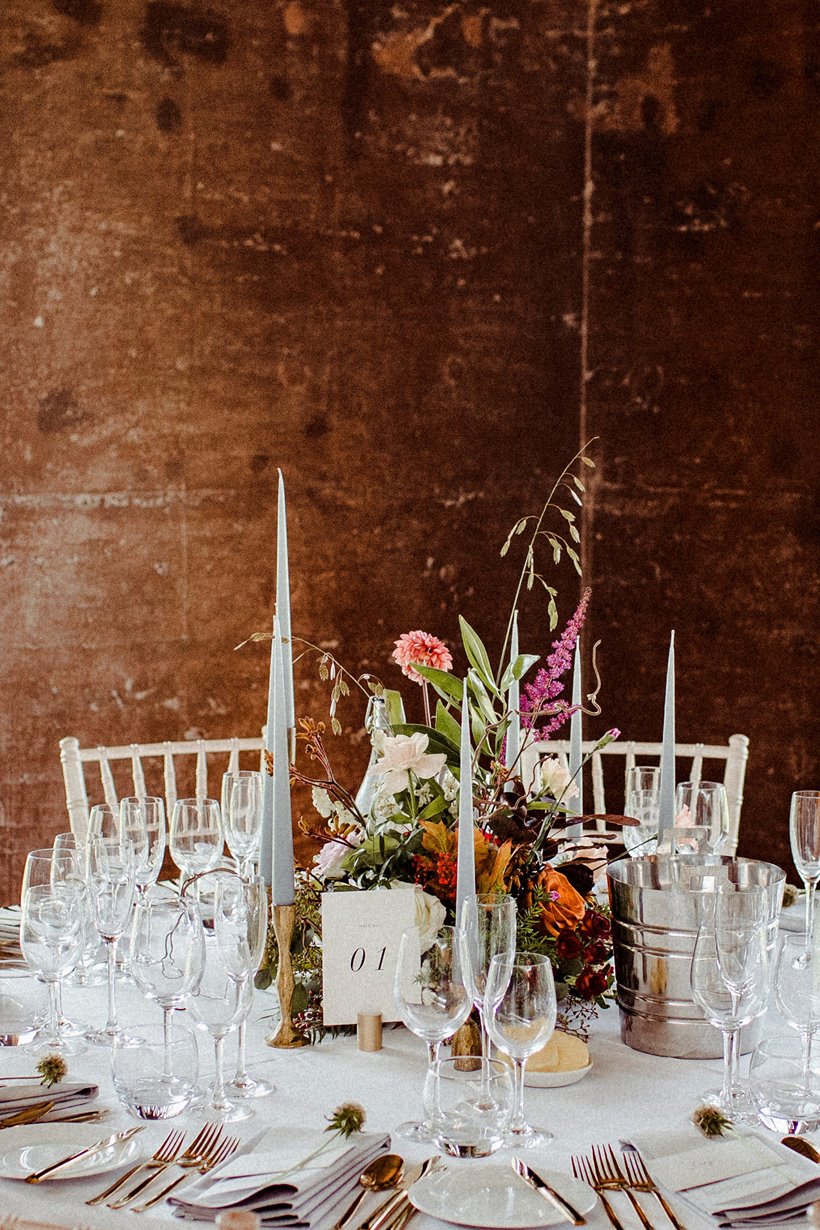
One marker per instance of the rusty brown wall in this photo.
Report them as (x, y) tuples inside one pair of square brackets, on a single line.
[(378, 246)]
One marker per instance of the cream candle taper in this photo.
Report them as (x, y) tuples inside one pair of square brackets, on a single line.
[(666, 810), (465, 868), (576, 751), (513, 743), (283, 885)]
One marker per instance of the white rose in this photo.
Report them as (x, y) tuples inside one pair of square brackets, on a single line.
[(430, 913), (327, 864), (556, 779), (403, 755)]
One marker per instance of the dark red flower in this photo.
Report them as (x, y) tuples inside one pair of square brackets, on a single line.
[(597, 953), (568, 946), (594, 925), (591, 983)]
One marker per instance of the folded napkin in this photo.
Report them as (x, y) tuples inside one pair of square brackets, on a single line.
[(297, 1178), (67, 1096), (739, 1180)]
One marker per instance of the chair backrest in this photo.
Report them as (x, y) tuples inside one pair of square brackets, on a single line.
[(734, 755), (74, 759)]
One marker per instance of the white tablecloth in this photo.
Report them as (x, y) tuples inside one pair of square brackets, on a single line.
[(625, 1092)]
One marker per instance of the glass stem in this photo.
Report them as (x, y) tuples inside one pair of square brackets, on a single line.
[(807, 1041), (166, 1041), (810, 887), (241, 1076), (219, 1100), (111, 1023), (58, 987), (53, 1010), (519, 1123), (433, 1049), (728, 1058), (485, 1047)]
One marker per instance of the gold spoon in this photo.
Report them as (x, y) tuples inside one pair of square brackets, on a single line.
[(802, 1146), (383, 1172)]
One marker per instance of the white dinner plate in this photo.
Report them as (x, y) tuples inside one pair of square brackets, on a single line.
[(555, 1080), (495, 1197), (35, 1148)]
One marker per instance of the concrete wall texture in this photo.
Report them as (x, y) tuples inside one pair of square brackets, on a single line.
[(413, 254)]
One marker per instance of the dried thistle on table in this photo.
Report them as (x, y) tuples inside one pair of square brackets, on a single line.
[(52, 1069), (346, 1119), (790, 896), (710, 1121)]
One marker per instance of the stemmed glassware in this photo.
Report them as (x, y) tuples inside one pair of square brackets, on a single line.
[(167, 952), (804, 830), (488, 922), (520, 1008), (255, 898), (730, 981), (242, 817), (111, 872), (797, 994), (195, 837), (642, 801), (224, 995), (431, 997), (142, 822), (708, 809)]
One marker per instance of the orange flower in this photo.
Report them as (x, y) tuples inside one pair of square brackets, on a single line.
[(490, 860), (563, 908)]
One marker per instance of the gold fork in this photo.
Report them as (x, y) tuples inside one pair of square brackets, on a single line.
[(220, 1154), (609, 1175), (642, 1181), (582, 1170), (204, 1140), (172, 1142)]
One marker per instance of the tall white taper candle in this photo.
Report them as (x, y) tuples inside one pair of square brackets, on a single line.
[(283, 601), (666, 812), (513, 744), (576, 752), (465, 870), (266, 839), (284, 890)]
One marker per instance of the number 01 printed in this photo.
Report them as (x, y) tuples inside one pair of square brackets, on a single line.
[(361, 932)]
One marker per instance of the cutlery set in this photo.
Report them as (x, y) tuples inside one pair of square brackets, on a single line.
[(605, 1174), (37, 1112)]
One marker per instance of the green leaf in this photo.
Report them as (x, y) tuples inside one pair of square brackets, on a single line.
[(483, 705), (434, 808), (588, 462), (477, 654), (578, 483), (446, 724), (448, 686), (573, 533), (394, 706), (553, 614), (506, 547), (517, 669), (567, 515), (436, 741)]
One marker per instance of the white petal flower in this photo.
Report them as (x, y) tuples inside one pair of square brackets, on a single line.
[(556, 779), (322, 803), (403, 755)]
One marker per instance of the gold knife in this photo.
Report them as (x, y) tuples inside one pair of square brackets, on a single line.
[(549, 1193), (29, 1115), (97, 1147)]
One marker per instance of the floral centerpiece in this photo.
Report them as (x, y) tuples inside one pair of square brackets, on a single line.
[(401, 826)]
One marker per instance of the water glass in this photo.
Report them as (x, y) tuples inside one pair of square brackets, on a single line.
[(787, 1100), (642, 802), (488, 928), (430, 996), (167, 951), (157, 1079), (520, 1006), (804, 831), (196, 839), (704, 805), (242, 816), (468, 1104)]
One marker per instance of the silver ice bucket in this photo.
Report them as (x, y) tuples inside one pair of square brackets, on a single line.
[(654, 926)]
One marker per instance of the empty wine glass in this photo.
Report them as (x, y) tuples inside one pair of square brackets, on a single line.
[(242, 816), (705, 805), (730, 981), (167, 951), (431, 997), (642, 801), (196, 838), (488, 922), (51, 939), (520, 1008), (797, 993), (62, 863), (142, 822), (111, 871), (103, 821), (804, 830), (251, 902)]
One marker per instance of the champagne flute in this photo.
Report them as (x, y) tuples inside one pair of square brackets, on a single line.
[(804, 831), (242, 816), (255, 899), (707, 808), (111, 871), (520, 1007), (195, 838), (797, 994), (431, 997), (142, 822), (488, 922), (103, 821), (730, 981), (642, 801), (51, 940)]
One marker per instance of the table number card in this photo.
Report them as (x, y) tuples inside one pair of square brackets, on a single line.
[(361, 932)]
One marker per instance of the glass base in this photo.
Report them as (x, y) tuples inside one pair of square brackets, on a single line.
[(740, 1108), (223, 1112), (72, 1029), (528, 1137), (413, 1130), (59, 1044), (249, 1087), (112, 1037)]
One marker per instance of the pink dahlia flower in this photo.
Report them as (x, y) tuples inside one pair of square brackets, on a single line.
[(421, 649)]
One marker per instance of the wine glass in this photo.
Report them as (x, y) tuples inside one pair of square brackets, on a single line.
[(642, 801), (252, 902), (804, 830), (797, 994), (223, 998), (195, 838), (520, 1007), (90, 970), (431, 997), (111, 872), (707, 807), (242, 816), (61, 863), (730, 981), (51, 939), (103, 821), (488, 922), (167, 951), (142, 822)]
